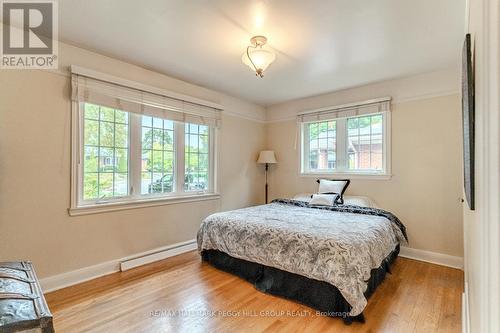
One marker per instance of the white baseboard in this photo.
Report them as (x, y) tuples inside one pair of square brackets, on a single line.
[(67, 279), (432, 257)]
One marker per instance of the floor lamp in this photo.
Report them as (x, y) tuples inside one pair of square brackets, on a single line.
[(267, 157)]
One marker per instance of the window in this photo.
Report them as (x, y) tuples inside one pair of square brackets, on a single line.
[(135, 145), (158, 155), (345, 143), (322, 145), (364, 143), (128, 157), (105, 163), (196, 157)]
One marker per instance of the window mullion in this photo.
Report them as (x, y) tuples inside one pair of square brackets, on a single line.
[(370, 145), (179, 156), (212, 155), (80, 147), (386, 142), (99, 155), (341, 155), (135, 152), (306, 154)]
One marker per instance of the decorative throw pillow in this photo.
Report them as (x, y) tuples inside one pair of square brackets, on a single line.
[(324, 199), (334, 186)]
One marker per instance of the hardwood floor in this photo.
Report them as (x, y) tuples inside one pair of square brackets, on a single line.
[(182, 294)]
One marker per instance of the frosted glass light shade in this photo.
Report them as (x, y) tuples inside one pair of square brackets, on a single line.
[(267, 156), (260, 57)]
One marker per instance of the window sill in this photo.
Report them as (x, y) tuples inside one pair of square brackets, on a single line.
[(350, 175), (139, 203)]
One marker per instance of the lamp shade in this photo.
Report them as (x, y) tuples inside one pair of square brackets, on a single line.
[(267, 156)]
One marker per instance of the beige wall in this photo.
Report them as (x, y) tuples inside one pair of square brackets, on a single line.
[(35, 172), (425, 189)]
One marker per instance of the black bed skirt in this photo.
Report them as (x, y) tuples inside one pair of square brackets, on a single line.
[(319, 295)]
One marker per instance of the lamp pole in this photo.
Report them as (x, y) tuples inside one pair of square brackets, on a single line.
[(267, 168)]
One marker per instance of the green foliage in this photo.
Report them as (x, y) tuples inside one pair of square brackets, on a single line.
[(157, 139), (105, 164), (327, 127), (121, 135), (91, 132), (90, 186), (376, 119), (361, 125), (106, 134), (107, 114), (158, 153), (121, 160), (106, 185), (121, 117), (352, 123), (91, 111), (196, 158)]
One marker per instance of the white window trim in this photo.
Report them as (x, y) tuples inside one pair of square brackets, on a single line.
[(78, 207), (140, 203), (385, 174)]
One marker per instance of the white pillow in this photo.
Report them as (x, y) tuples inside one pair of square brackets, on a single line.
[(323, 199), (333, 186), (356, 200), (360, 201), (303, 197)]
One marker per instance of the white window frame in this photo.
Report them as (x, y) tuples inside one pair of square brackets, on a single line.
[(341, 151), (135, 199)]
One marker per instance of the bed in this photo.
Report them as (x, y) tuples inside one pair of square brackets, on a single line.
[(328, 257)]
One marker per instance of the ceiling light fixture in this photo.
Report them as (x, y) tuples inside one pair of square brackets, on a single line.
[(257, 58)]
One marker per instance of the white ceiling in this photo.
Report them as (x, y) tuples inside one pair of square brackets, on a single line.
[(320, 45)]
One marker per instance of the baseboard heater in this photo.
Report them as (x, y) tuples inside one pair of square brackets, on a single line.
[(158, 254)]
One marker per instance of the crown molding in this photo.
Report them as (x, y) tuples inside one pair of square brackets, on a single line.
[(426, 96), (417, 87), (252, 117)]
